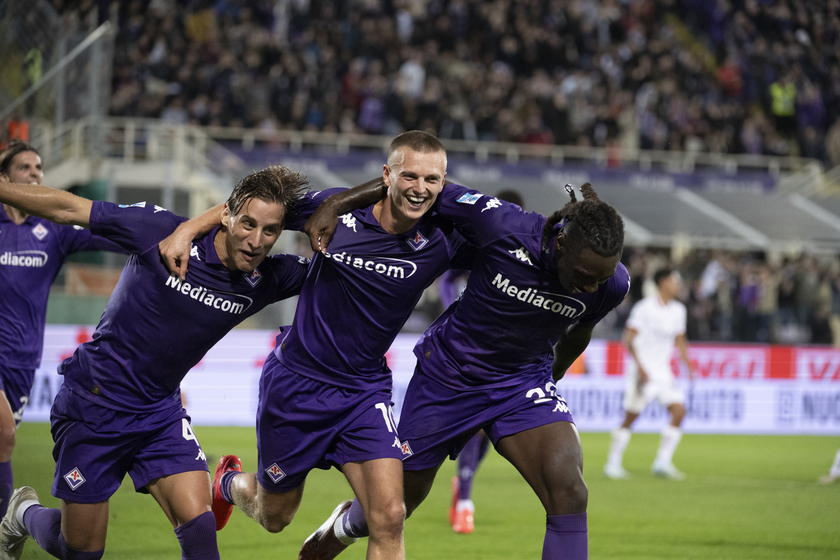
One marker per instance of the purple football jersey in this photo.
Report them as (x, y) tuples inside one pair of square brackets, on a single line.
[(357, 297), (514, 309), (31, 254), (155, 328)]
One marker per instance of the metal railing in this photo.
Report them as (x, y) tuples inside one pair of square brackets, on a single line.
[(205, 149), (642, 160)]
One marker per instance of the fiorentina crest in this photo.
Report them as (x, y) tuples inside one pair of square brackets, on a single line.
[(275, 473), (418, 242), (74, 478), (254, 278)]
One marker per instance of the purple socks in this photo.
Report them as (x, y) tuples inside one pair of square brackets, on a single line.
[(224, 485), (353, 522), (44, 525), (198, 538), (468, 461), (566, 537)]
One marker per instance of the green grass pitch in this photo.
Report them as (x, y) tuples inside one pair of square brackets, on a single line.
[(746, 497)]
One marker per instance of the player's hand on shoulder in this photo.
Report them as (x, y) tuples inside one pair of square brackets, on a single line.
[(175, 250), (321, 226)]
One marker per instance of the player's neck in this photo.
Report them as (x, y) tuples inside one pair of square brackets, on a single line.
[(389, 219), (14, 214)]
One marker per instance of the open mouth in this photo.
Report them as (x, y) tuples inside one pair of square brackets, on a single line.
[(415, 201), (249, 256)]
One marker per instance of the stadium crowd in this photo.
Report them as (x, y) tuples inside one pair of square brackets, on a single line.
[(747, 76), (734, 296)]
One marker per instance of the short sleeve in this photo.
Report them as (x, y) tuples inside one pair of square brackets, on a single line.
[(134, 227), (480, 218), (306, 206)]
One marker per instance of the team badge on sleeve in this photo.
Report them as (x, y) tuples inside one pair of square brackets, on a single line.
[(74, 478), (468, 198), (275, 473)]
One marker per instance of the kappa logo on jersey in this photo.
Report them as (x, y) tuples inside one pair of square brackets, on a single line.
[(159, 209), (275, 473), (135, 205), (468, 198), (40, 232), (349, 221), (74, 478), (254, 278), (406, 449), (234, 304), (557, 303), (194, 253), (492, 203), (523, 255), (393, 268), (31, 259), (418, 242)]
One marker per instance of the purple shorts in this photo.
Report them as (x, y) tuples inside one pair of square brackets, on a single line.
[(16, 383), (95, 447), (438, 421), (303, 424)]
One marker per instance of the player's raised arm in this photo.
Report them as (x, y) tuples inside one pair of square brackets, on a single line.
[(54, 205), (175, 249), (320, 227)]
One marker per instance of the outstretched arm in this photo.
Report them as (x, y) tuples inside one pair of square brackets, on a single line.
[(175, 249), (321, 225), (568, 350), (54, 205)]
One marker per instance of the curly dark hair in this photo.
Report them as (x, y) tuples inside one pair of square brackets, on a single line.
[(275, 183), (591, 223)]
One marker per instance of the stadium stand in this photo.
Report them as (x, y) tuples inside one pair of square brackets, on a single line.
[(750, 77), (679, 75)]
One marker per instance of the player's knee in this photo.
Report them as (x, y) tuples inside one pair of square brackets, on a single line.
[(577, 495), (568, 494), (387, 519), (277, 522), (8, 436)]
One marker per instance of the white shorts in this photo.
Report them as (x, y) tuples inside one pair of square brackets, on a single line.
[(661, 388)]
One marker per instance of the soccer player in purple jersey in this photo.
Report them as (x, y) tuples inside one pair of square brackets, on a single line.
[(462, 509), (325, 391), (119, 409), (536, 290), (32, 251)]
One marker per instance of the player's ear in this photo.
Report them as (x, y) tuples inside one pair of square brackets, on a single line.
[(225, 218), (560, 242), (386, 175)]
